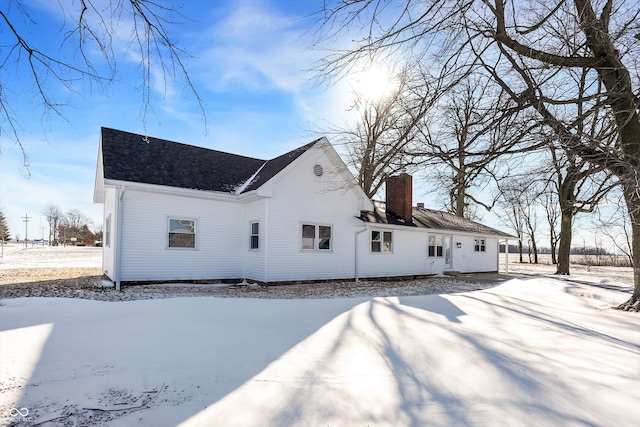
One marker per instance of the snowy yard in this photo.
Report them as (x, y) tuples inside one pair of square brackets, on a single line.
[(531, 351)]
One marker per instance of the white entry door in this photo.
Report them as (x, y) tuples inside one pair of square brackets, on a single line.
[(448, 240)]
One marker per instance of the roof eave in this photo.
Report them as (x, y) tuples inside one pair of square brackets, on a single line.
[(414, 227), (184, 192), (98, 186)]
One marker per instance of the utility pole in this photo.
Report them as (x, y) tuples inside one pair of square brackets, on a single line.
[(26, 218)]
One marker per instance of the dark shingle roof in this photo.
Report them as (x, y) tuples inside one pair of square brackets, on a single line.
[(429, 219), (136, 158)]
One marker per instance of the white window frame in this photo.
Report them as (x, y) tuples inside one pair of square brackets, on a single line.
[(252, 235), (438, 246), (384, 248), (479, 245), (194, 233), (316, 237)]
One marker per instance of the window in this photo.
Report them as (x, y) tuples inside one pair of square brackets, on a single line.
[(182, 233), (107, 232), (381, 241), (435, 245), (316, 237), (324, 237), (479, 245), (308, 236), (255, 236)]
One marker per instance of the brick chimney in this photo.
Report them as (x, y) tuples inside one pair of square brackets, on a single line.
[(399, 190)]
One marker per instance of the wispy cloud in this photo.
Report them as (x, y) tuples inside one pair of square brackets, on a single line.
[(256, 47)]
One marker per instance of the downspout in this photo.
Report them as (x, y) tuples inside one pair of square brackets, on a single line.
[(266, 241), (355, 263), (246, 246), (118, 254)]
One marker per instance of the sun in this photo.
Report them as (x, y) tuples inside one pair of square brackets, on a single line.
[(373, 83)]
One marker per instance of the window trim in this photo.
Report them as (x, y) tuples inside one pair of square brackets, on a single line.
[(479, 245), (382, 241), (252, 235), (438, 249), (316, 237), (195, 232)]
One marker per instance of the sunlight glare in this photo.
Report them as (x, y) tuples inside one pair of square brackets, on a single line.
[(373, 83), (21, 352)]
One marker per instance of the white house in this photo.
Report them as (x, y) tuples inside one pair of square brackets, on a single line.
[(179, 212)]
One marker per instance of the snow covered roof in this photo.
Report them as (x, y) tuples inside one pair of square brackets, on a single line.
[(430, 219), (137, 158)]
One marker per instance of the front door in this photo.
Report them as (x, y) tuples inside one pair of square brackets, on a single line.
[(447, 252)]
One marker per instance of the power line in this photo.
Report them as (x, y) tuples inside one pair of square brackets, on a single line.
[(26, 218)]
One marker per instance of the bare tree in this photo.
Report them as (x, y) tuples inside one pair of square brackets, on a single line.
[(88, 28), (54, 215), (384, 139), (74, 227), (530, 217), (579, 181), (614, 224), (473, 137), (76, 219), (510, 202), (518, 197), (549, 201), (579, 186), (527, 48)]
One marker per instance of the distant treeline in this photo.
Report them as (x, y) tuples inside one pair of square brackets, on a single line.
[(513, 249)]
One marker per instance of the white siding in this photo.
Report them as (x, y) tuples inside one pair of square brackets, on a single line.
[(255, 260), (409, 256), (294, 197), (466, 260), (111, 195), (220, 233), (300, 197)]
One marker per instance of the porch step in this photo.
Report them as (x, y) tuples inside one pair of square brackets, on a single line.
[(452, 273)]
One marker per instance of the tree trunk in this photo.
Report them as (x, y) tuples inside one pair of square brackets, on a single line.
[(520, 249), (553, 240), (460, 202), (461, 189), (632, 197), (564, 246)]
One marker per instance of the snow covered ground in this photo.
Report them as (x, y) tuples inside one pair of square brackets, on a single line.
[(14, 255), (531, 351)]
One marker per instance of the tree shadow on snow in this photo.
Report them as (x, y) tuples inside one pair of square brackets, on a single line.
[(192, 351), (431, 360), (435, 304)]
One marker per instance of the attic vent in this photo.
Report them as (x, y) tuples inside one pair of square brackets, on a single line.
[(317, 169)]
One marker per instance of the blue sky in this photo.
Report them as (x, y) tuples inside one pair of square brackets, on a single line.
[(249, 66)]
